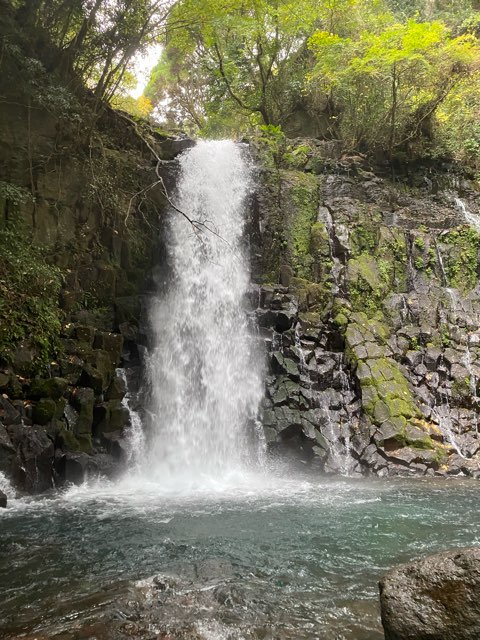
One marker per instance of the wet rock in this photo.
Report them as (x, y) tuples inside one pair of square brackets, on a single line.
[(116, 445), (281, 364), (72, 467), (92, 378), (3, 500), (7, 451), (110, 416), (436, 598), (83, 400), (117, 389), (8, 413), (32, 466), (112, 343), (47, 388)]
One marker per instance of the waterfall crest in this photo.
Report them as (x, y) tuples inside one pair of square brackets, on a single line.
[(204, 370)]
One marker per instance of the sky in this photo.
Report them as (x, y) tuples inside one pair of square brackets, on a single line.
[(143, 66)]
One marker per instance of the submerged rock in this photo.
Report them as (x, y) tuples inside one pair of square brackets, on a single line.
[(436, 598)]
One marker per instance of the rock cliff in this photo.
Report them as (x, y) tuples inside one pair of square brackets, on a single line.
[(79, 235), (368, 300)]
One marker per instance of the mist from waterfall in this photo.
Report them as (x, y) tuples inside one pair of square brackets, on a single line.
[(205, 369)]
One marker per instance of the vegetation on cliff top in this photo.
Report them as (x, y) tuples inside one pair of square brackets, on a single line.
[(388, 76), (385, 76)]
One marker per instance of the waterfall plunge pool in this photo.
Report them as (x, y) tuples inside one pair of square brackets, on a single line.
[(277, 555), (296, 558)]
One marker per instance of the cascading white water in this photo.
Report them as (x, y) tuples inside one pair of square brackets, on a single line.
[(6, 487), (205, 372), (470, 218)]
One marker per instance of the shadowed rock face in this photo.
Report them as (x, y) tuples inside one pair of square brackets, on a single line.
[(437, 598)]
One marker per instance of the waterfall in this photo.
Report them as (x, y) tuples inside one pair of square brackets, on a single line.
[(6, 487), (135, 436), (470, 218), (205, 370)]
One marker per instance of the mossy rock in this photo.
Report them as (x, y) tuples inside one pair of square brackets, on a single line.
[(364, 238), (44, 411), (341, 321), (385, 391), (85, 443), (48, 388), (84, 334), (364, 270), (83, 400), (93, 379), (461, 246), (67, 440)]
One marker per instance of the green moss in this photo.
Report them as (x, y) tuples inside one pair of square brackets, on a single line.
[(304, 198), (385, 392), (419, 243), (461, 263), (67, 441), (341, 320), (29, 300), (44, 411), (48, 388), (392, 256), (366, 284), (296, 156), (85, 443), (364, 239), (423, 444)]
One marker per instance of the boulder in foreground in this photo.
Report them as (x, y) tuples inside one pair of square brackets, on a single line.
[(436, 598)]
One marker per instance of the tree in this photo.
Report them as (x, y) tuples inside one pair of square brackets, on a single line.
[(97, 39), (389, 85), (230, 56)]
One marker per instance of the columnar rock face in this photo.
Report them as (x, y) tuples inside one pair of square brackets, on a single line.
[(49, 424), (79, 237), (368, 296), (437, 598)]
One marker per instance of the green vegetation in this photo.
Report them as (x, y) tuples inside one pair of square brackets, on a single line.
[(461, 265), (389, 82), (96, 41), (29, 305), (389, 76)]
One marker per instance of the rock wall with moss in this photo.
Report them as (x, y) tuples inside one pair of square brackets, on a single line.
[(79, 233), (369, 303)]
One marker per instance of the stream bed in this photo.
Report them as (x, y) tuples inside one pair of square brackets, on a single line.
[(273, 556)]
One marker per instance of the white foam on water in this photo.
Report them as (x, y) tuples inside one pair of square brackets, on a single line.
[(6, 487)]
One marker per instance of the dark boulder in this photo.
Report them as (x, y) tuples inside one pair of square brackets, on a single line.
[(3, 500), (32, 466), (436, 598), (75, 467), (117, 389), (7, 451)]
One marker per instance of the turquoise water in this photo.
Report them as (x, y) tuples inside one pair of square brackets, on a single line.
[(305, 552)]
